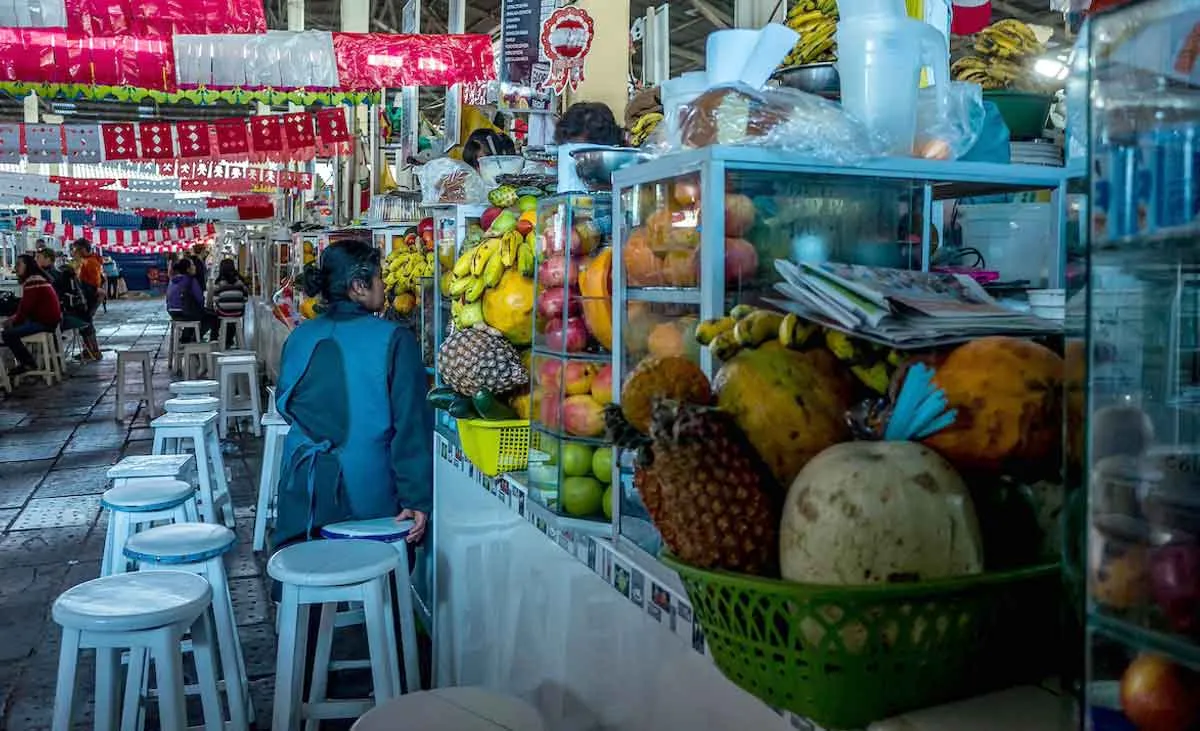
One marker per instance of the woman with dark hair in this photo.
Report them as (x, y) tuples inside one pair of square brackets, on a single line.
[(352, 386), (589, 122), (228, 291), (38, 312), (486, 143), (185, 300)]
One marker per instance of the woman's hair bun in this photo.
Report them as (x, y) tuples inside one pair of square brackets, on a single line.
[(314, 280)]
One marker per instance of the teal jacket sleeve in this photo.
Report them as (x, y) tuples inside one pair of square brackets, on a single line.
[(412, 421)]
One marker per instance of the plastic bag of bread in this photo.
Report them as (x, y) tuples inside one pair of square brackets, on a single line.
[(445, 180), (776, 117)]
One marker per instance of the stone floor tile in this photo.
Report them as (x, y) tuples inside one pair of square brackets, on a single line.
[(29, 452), (80, 481), (55, 512), (101, 458)]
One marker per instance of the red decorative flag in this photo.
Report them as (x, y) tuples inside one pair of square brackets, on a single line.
[(195, 139), (120, 141), (333, 135), (233, 138), (266, 136), (156, 140), (298, 131)]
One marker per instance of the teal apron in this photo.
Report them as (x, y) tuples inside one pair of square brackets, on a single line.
[(325, 480)]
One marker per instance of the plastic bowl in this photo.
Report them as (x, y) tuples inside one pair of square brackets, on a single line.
[(1024, 112), (496, 165), (595, 166), (815, 78)]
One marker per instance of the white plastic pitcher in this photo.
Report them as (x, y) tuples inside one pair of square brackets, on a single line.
[(879, 62), (854, 9)]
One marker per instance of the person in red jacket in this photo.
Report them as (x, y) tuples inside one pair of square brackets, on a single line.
[(37, 312)]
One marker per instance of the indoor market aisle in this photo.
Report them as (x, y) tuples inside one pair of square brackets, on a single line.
[(55, 443)]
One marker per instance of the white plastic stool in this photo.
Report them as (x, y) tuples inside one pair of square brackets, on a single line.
[(175, 466), (328, 572), (175, 350), (227, 324), (146, 611), (198, 548), (191, 405), (138, 503), (146, 393), (5, 384), (215, 358), (271, 409), (452, 709), (195, 388), (41, 346), (60, 353), (171, 431), (230, 369), (393, 532), (276, 430), (195, 359)]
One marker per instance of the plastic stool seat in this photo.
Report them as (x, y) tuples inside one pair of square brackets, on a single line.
[(194, 388), (180, 543), (452, 709), (273, 418), (131, 602), (321, 563), (147, 495), (192, 405), (388, 530), (167, 420), (151, 465)]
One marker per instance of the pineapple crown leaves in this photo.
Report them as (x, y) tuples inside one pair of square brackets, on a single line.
[(624, 435), (920, 409)]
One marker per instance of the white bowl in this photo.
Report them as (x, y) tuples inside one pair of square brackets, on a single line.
[(496, 165)]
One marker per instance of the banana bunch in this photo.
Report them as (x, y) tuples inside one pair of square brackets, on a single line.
[(644, 127), (750, 327), (816, 22), (1003, 58), (481, 267), (403, 271)]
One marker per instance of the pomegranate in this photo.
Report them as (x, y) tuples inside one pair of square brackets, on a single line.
[(582, 416), (555, 302), (554, 272), (739, 215), (741, 261), (571, 337)]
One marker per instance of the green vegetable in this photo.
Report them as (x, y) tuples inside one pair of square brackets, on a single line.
[(492, 408), (463, 408), (442, 397)]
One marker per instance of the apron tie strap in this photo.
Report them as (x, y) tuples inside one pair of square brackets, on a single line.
[(309, 453)]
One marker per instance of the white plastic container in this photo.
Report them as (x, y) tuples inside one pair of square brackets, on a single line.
[(1014, 238), (853, 9), (880, 59)]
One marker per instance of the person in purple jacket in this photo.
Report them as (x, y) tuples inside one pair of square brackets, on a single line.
[(185, 300)]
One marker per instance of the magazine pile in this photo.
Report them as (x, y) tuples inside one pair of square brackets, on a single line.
[(900, 308)]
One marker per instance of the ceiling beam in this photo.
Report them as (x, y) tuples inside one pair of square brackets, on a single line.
[(712, 15)]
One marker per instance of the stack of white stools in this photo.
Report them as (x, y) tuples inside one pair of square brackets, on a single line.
[(325, 573), (199, 548), (186, 389), (236, 403), (195, 358), (138, 503), (391, 532), (276, 429), (143, 612), (192, 405), (175, 351), (453, 709), (173, 433), (145, 393)]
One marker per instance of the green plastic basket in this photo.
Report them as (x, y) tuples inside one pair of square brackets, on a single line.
[(847, 656)]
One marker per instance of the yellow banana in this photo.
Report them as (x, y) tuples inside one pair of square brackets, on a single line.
[(724, 346), (462, 267), (876, 377), (708, 330), (447, 280), (840, 344), (758, 327), (475, 291), (460, 285), (525, 260), (493, 271), (740, 311), (795, 332), (483, 252)]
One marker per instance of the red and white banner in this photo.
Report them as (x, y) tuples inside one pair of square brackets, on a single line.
[(256, 177), (112, 237)]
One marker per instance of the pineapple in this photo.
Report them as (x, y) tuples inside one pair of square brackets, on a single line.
[(481, 359), (710, 494)]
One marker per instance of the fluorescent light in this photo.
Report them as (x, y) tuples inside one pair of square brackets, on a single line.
[(1051, 68)]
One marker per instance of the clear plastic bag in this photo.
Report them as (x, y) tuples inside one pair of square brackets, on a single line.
[(782, 118), (451, 181), (949, 120)]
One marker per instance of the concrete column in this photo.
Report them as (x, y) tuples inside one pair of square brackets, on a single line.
[(356, 16), (757, 13), (295, 15), (606, 71)]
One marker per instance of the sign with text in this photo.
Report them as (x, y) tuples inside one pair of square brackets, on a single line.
[(524, 66)]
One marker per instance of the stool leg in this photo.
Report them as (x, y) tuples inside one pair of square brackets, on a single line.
[(168, 672), (148, 388), (255, 405), (120, 389), (120, 534), (389, 628), (64, 689), (106, 688), (206, 675), (137, 681), (206, 484), (230, 648), (381, 670), (266, 486), (320, 671), (106, 557), (218, 466), (160, 442), (408, 630), (225, 405), (285, 712)]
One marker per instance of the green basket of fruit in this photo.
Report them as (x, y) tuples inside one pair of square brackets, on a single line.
[(847, 656)]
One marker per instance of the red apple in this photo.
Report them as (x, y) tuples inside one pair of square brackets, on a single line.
[(489, 215), (524, 226), (1175, 580), (1158, 695), (602, 388), (579, 375), (548, 373), (569, 338), (555, 302)]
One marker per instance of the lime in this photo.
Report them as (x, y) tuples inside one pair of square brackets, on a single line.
[(576, 459), (581, 496), (607, 500), (602, 464)]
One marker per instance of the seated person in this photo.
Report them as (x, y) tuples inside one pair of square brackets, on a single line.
[(185, 300), (38, 312), (72, 301), (486, 143), (591, 123), (228, 293)]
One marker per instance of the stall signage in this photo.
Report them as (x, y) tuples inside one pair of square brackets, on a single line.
[(524, 66), (566, 41)]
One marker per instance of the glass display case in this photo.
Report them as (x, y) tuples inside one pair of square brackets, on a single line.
[(699, 232), (455, 228), (1139, 455), (570, 463)]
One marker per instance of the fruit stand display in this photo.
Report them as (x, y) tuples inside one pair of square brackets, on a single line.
[(1133, 374), (570, 466), (409, 273)]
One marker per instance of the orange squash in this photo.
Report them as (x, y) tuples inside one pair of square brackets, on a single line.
[(595, 284), (1008, 395)]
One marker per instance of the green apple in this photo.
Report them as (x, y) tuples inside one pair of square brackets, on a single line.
[(602, 464), (581, 497), (576, 459), (607, 501)]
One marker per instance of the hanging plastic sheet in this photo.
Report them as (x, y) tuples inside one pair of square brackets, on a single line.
[(276, 59), (380, 61), (32, 14), (52, 56), (160, 18)]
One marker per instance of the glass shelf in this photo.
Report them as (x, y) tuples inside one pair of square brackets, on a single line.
[(1176, 647), (585, 355)]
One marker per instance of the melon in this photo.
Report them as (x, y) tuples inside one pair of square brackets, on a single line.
[(864, 513)]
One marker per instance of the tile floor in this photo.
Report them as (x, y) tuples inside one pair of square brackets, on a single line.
[(55, 443)]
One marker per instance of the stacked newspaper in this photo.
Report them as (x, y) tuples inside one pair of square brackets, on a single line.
[(897, 307)]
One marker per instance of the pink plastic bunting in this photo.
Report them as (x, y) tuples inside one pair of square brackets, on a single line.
[(163, 18), (381, 61)]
